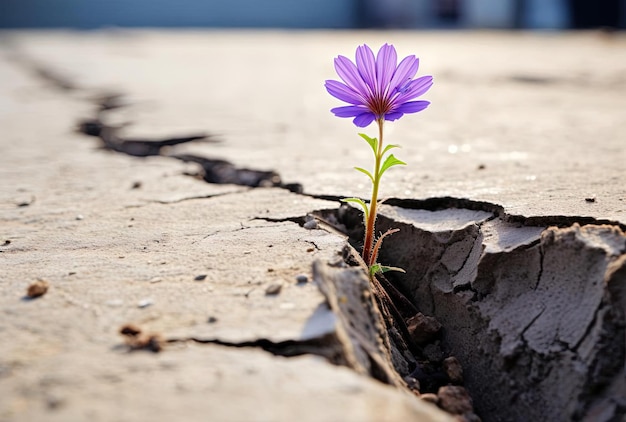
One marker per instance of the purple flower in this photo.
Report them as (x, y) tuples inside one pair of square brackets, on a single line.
[(378, 87)]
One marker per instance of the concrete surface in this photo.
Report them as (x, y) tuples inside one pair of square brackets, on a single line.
[(532, 123), (544, 113)]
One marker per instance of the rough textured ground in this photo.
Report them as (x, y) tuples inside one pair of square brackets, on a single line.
[(526, 130)]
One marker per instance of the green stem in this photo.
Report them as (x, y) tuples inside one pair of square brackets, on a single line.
[(370, 227)]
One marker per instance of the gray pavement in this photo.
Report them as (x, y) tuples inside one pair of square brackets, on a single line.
[(543, 113), (534, 123)]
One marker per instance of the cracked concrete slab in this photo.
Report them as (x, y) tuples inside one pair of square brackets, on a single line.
[(505, 126), (127, 240), (137, 240)]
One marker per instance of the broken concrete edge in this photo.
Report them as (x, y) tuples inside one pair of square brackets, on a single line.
[(527, 309), (347, 329), (446, 202)]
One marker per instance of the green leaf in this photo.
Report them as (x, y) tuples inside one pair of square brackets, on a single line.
[(373, 142), (384, 269), (367, 173), (390, 162), (361, 203), (376, 268), (388, 147)]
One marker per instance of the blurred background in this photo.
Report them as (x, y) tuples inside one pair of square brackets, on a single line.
[(428, 14)]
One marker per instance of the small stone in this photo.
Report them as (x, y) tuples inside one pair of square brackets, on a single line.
[(482, 167), (310, 249), (453, 369), (211, 320), (412, 383), (80, 217), (310, 223), (302, 279), (423, 329), (155, 280), (6, 242), (54, 402), (455, 399), (200, 277), (26, 202), (130, 330), (273, 289), (72, 273), (136, 185), (590, 199), (37, 289), (153, 343), (136, 340), (430, 398), (144, 303)]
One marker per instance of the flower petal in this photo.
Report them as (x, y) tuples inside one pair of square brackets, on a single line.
[(412, 107), (343, 92), (366, 64), (349, 111), (364, 119), (350, 75), (386, 61), (405, 72), (394, 115), (414, 89)]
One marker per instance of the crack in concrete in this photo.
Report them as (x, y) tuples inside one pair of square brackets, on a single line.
[(530, 323), (540, 272), (192, 198)]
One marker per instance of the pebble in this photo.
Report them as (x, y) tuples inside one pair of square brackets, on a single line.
[(211, 320), (453, 369), (200, 277), (155, 279), (144, 303), (302, 278), (131, 330), (273, 289), (80, 217), (37, 289), (412, 383), (455, 399), (423, 329), (310, 223)]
